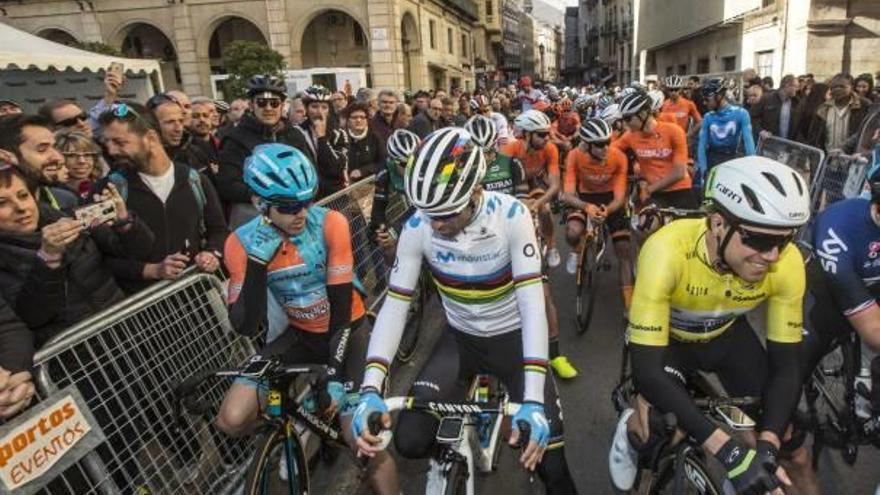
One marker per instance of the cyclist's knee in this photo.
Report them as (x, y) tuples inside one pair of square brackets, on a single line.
[(238, 411), (414, 435)]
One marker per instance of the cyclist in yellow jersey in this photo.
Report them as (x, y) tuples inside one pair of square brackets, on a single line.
[(696, 281)]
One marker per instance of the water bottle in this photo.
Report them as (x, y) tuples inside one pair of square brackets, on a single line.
[(484, 420), (863, 387)]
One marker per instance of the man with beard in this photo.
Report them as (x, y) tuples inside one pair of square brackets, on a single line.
[(170, 115), (202, 129), (179, 205)]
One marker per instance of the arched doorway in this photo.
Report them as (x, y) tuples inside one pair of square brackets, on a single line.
[(229, 30), (144, 40), (335, 39), (411, 47), (58, 36)]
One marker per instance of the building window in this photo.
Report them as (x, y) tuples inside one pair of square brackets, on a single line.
[(682, 69), (669, 70), (432, 33), (489, 11), (359, 38), (728, 64), (764, 63), (464, 45), (703, 65), (449, 40)]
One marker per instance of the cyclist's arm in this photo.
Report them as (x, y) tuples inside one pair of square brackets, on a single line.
[(553, 180), (784, 335), (525, 263), (618, 161), (746, 128), (679, 160), (380, 199), (340, 286), (702, 143), (520, 184), (248, 280), (694, 113), (658, 266), (392, 317), (867, 324), (569, 184)]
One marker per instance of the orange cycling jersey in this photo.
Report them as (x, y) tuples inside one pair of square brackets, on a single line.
[(666, 117), (537, 164), (682, 110), (657, 152), (307, 310), (585, 175)]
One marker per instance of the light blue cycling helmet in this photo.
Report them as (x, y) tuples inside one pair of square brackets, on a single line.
[(280, 173)]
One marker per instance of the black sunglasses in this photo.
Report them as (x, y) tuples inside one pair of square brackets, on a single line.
[(160, 98), (270, 102), (72, 121), (603, 144), (542, 134), (292, 207), (763, 242)]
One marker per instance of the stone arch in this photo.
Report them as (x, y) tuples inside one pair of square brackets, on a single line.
[(334, 38), (58, 35), (224, 29), (142, 39), (411, 50)]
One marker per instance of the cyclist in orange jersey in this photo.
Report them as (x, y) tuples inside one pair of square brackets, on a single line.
[(595, 185), (683, 109)]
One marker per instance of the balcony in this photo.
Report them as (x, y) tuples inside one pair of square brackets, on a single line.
[(467, 8)]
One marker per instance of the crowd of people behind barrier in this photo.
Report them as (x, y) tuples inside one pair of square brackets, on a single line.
[(172, 169)]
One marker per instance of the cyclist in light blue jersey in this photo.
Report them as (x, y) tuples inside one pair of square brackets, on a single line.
[(721, 131)]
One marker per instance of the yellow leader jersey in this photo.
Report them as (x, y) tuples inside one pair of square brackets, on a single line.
[(677, 291)]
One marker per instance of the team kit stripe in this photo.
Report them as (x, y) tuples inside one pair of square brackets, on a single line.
[(475, 296), (379, 364), (500, 277)]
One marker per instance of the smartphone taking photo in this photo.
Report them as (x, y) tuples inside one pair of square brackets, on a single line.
[(96, 214)]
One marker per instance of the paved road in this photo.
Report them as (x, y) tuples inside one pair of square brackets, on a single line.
[(589, 415)]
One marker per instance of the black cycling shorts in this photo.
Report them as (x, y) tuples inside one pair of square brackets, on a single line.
[(617, 222), (682, 198)]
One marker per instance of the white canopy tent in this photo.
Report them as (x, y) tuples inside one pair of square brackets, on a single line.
[(34, 71)]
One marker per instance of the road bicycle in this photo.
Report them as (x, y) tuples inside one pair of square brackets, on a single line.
[(678, 465), (591, 263), (280, 463)]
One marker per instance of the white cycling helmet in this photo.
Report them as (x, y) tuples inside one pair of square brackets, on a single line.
[(657, 99), (755, 190), (532, 121), (611, 113), (595, 131), (442, 175), (634, 103), (402, 144), (482, 131)]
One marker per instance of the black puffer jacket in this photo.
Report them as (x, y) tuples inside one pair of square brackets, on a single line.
[(16, 341), (50, 300), (235, 147)]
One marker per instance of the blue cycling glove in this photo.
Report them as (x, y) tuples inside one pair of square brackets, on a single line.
[(336, 391), (533, 414), (262, 242), (370, 402)]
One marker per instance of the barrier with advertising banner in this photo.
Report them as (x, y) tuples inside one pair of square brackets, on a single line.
[(108, 384)]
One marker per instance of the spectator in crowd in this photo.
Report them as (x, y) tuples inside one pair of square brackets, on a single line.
[(177, 203), (113, 82), (16, 358), (185, 104), (8, 107), (464, 111), (403, 116), (864, 86), (364, 155), (202, 129), (835, 120), (528, 94), (29, 142), (221, 108), (66, 114), (692, 90), (169, 113), (82, 159), (382, 124), (754, 93), (420, 102), (297, 112), (447, 115), (320, 140), (749, 74), (262, 125), (819, 94), (340, 102), (767, 82), (53, 270), (429, 121), (779, 112), (368, 97), (237, 108), (480, 105)]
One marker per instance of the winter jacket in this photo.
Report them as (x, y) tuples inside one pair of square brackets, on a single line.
[(364, 154), (765, 116), (858, 109), (16, 341), (329, 154), (234, 149)]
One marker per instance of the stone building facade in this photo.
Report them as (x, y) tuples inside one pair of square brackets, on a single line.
[(401, 43)]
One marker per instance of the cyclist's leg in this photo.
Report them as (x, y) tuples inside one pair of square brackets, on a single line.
[(574, 229), (499, 350), (618, 225), (414, 436), (381, 470)]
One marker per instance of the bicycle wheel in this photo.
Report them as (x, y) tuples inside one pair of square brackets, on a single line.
[(830, 397), (410, 338), (456, 479), (695, 477), (264, 475), (587, 283)]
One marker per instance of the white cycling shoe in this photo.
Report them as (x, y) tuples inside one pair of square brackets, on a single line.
[(571, 263), (622, 458), (553, 257)]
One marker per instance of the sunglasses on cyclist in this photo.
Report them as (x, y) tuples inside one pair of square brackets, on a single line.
[(291, 208), (72, 121), (542, 134), (160, 98), (603, 144), (270, 102), (763, 242)]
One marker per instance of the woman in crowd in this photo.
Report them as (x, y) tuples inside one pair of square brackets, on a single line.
[(82, 158), (52, 269), (364, 153), (819, 93), (864, 86)]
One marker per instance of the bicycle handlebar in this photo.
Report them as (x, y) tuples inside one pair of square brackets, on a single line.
[(443, 408)]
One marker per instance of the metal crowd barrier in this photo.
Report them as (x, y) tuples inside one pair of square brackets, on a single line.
[(807, 160), (840, 177), (125, 361)]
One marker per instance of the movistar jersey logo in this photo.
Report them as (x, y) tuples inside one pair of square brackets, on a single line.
[(452, 257)]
